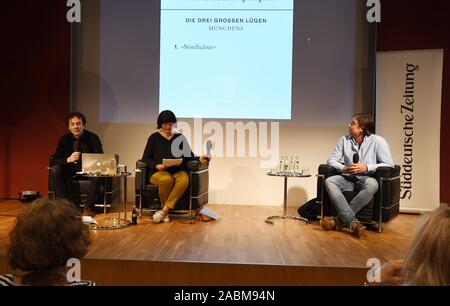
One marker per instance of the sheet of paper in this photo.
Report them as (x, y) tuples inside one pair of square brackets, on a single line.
[(208, 212), (172, 162)]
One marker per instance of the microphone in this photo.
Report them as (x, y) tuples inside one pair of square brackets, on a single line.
[(76, 147), (356, 158)]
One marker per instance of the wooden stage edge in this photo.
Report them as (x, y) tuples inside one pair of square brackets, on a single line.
[(238, 250), (147, 273)]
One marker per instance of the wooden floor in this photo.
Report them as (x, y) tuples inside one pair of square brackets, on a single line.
[(240, 237)]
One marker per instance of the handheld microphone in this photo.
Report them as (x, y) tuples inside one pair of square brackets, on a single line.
[(356, 158), (76, 147)]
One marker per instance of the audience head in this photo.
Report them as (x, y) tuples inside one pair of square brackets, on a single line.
[(428, 260), (47, 234)]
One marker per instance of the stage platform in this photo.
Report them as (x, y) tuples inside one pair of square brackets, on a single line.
[(239, 249)]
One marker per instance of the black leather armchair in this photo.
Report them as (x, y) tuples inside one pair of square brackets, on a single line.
[(195, 197), (79, 186), (384, 206)]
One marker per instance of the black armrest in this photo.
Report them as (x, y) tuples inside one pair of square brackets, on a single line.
[(141, 175), (195, 165), (387, 172), (389, 181), (140, 164), (327, 171), (199, 181)]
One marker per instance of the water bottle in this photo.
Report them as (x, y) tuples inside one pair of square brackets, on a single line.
[(297, 166), (134, 216), (286, 164), (280, 167)]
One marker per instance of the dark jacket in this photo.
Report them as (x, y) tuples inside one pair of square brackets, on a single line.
[(158, 148), (88, 143)]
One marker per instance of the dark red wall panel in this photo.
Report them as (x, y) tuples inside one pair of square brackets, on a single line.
[(414, 25), (35, 94)]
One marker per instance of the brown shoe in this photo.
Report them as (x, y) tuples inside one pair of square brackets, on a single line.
[(328, 223), (357, 228)]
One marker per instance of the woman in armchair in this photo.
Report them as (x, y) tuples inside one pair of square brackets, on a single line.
[(172, 182)]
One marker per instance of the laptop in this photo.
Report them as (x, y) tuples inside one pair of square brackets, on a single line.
[(100, 164)]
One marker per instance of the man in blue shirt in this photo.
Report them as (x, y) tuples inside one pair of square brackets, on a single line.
[(373, 152)]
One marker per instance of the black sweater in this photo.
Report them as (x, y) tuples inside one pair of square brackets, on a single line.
[(159, 148), (89, 143)]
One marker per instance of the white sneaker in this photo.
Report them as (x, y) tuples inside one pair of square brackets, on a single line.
[(166, 219), (158, 216)]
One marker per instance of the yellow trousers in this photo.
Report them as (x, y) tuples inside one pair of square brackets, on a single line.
[(171, 187)]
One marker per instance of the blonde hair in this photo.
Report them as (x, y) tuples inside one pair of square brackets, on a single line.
[(428, 260)]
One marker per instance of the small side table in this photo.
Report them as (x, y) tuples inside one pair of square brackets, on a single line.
[(285, 215), (119, 222)]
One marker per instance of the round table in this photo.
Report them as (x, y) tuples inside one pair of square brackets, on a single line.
[(119, 222), (285, 215)]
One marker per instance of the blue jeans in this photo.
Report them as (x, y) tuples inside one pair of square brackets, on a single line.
[(336, 185)]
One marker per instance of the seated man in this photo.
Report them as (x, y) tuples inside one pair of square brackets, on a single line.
[(67, 159), (373, 152)]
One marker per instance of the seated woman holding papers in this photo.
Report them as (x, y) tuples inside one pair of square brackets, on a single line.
[(167, 155)]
